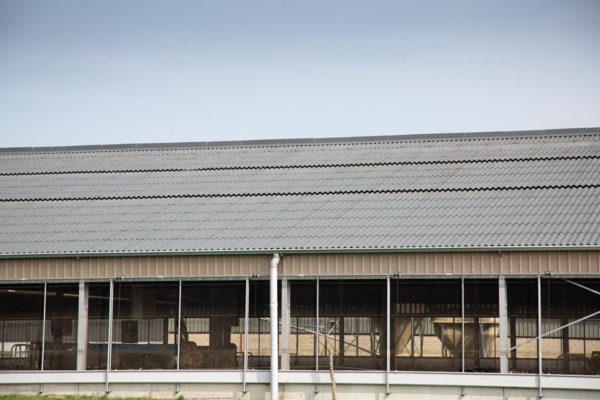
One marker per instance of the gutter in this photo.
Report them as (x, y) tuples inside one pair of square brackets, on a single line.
[(365, 250)]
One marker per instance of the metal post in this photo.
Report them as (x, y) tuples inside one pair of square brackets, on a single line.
[(421, 338), (503, 311), (2, 338), (297, 338), (462, 322), (317, 329), (179, 316), (584, 341), (442, 353), (111, 297), (412, 338), (42, 356), (539, 335), (246, 318), (44, 328), (178, 341), (387, 337), (357, 334), (82, 326)]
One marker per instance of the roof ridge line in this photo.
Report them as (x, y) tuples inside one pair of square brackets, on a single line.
[(310, 141)]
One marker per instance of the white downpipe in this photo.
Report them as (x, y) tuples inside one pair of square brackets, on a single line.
[(274, 319)]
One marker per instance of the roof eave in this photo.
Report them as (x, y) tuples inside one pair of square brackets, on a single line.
[(289, 251)]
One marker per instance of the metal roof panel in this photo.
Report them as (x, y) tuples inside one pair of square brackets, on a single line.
[(546, 194)]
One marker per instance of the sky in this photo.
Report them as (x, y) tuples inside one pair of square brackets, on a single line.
[(76, 72)]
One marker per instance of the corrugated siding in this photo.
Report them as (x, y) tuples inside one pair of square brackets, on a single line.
[(459, 263), (484, 263)]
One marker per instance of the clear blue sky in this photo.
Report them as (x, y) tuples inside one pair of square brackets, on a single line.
[(135, 71)]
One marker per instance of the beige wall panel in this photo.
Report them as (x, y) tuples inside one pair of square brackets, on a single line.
[(456, 263), (407, 263), (581, 259)]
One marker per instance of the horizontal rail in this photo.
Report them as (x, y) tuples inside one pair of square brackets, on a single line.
[(432, 379)]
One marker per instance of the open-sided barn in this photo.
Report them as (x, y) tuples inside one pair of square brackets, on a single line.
[(403, 267)]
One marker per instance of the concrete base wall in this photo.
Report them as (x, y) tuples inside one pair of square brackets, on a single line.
[(299, 392)]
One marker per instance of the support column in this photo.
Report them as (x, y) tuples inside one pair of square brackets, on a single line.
[(462, 325), (285, 324), (246, 318), (179, 319), (513, 342), (43, 355), (387, 336), (317, 327), (111, 302), (82, 326), (342, 339), (503, 311), (539, 336)]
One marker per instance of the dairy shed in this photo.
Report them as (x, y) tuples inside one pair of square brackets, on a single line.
[(426, 266)]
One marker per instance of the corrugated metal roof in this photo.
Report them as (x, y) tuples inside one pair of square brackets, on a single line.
[(544, 172), (450, 193)]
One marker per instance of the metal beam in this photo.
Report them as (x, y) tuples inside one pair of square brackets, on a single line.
[(556, 330), (582, 286)]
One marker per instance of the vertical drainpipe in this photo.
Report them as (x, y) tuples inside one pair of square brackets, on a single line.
[(273, 317)]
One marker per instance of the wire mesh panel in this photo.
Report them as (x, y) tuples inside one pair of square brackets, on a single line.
[(21, 322), (522, 324), (352, 324), (303, 325), (426, 325), (571, 340), (481, 326), (212, 325), (60, 347), (141, 338), (259, 340)]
